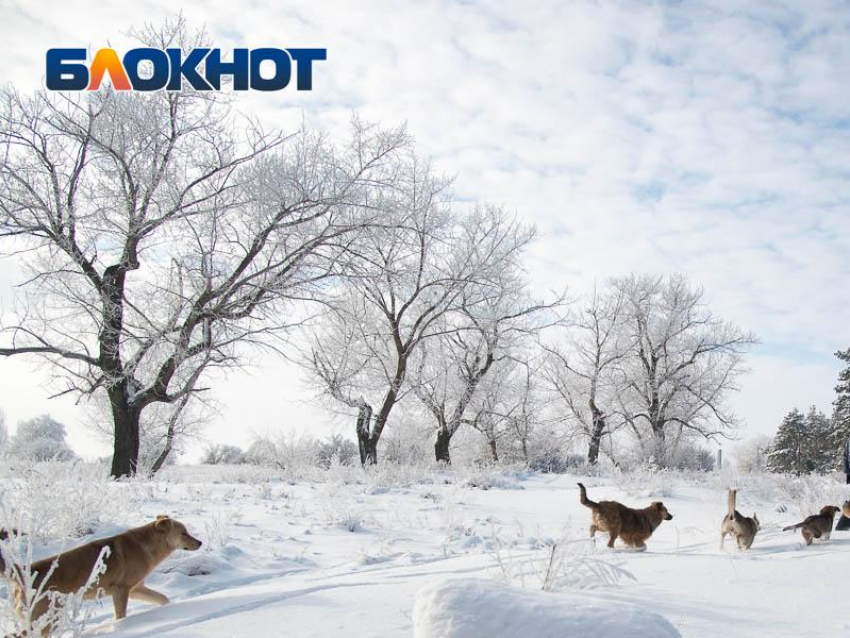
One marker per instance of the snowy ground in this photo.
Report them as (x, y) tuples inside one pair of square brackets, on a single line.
[(327, 559)]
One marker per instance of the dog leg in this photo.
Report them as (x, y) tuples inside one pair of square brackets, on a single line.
[(722, 540), (612, 536), (119, 602), (145, 594)]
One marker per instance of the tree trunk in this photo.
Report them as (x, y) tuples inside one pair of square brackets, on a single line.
[(163, 456), (593, 449), (169, 435), (371, 451), (659, 447), (441, 446), (494, 450), (125, 455), (371, 454), (596, 433), (364, 431)]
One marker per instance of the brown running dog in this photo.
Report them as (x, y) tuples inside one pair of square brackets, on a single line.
[(632, 525), (133, 555), (817, 525), (742, 528)]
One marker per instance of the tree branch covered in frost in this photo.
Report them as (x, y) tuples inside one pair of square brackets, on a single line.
[(163, 231)]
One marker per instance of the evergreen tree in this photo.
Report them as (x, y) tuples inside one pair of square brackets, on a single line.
[(819, 450), (787, 454), (841, 410)]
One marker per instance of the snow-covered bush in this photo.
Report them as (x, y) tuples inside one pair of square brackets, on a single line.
[(339, 450), (564, 564), (61, 499), (751, 455), (41, 612), (809, 493), (286, 452)]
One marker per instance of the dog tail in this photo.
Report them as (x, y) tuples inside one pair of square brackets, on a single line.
[(584, 500), (730, 503), (790, 527)]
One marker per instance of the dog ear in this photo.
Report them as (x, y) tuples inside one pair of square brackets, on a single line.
[(162, 523)]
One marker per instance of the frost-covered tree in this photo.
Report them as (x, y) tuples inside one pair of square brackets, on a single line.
[(502, 325), (751, 456), (40, 439), (511, 408), (222, 454), (425, 262), (584, 372), (163, 232), (682, 365)]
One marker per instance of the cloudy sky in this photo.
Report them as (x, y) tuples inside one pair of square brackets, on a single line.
[(711, 139)]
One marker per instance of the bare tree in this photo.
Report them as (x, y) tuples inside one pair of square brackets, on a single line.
[(583, 375), (510, 406), (422, 264), (503, 323), (163, 231), (486, 414), (683, 364), (525, 404)]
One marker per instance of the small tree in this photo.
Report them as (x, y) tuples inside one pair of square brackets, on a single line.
[(841, 410), (820, 451), (751, 456), (510, 409), (788, 452), (40, 439), (222, 454)]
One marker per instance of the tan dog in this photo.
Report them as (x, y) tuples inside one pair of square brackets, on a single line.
[(133, 555), (817, 525), (742, 528), (633, 526)]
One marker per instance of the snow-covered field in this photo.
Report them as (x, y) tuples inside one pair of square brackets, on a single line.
[(436, 553)]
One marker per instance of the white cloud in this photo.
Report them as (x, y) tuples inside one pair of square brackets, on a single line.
[(706, 138)]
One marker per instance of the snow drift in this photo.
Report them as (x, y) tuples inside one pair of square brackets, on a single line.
[(470, 608)]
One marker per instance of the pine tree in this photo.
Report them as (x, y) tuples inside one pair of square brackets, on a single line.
[(819, 449), (841, 411), (787, 454)]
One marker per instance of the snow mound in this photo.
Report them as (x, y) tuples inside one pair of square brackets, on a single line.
[(470, 608)]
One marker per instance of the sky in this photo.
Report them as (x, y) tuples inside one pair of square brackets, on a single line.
[(705, 138)]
